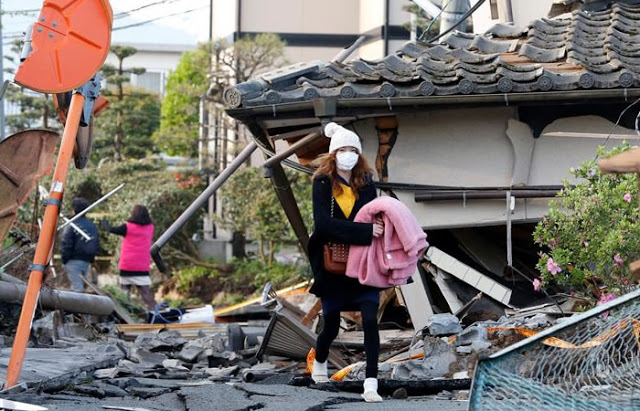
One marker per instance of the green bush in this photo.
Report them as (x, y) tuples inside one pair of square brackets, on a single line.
[(188, 277), (591, 232), (257, 273)]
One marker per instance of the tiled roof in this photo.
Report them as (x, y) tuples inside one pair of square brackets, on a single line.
[(581, 50)]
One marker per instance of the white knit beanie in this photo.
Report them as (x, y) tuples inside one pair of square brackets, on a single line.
[(341, 137)]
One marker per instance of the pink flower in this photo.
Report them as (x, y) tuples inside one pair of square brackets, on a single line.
[(627, 197), (606, 297), (553, 267), (619, 261), (586, 244), (537, 284)]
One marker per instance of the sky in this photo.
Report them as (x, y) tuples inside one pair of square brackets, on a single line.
[(178, 21)]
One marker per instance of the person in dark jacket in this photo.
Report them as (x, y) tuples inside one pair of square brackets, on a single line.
[(342, 185), (135, 254), (77, 251)]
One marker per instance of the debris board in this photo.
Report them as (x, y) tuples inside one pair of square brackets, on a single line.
[(416, 299), (188, 331), (470, 276), (442, 281), (388, 338), (286, 336)]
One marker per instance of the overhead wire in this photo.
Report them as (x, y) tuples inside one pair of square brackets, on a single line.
[(127, 13), (141, 23), (433, 20), (618, 122)]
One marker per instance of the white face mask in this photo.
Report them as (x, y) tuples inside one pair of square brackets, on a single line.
[(347, 160)]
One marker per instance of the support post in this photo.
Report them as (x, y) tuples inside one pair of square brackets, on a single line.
[(45, 241), (197, 204), (283, 190)]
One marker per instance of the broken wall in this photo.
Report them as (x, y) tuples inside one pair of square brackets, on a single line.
[(484, 147)]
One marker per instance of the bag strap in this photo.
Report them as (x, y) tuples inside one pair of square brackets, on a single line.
[(333, 200)]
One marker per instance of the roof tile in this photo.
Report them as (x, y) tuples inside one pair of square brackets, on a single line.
[(581, 50)]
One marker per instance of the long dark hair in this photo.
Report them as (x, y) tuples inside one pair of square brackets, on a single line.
[(360, 175), (140, 215)]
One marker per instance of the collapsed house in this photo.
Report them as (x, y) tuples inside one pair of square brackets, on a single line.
[(473, 133)]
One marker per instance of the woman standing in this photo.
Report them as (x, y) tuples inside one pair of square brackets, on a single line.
[(342, 184), (135, 256)]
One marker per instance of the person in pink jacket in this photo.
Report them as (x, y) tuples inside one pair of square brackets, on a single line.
[(135, 256)]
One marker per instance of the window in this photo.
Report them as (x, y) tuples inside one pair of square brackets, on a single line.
[(150, 81), (494, 9)]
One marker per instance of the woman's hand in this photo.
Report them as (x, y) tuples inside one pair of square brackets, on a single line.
[(378, 227)]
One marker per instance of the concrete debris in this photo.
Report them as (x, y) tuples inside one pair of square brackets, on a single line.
[(110, 390), (471, 334), (202, 347), (145, 392), (539, 320), (438, 358), (444, 324), (221, 374), (90, 390), (160, 341), (174, 365), (146, 358)]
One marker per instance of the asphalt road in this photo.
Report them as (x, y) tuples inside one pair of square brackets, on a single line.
[(232, 397)]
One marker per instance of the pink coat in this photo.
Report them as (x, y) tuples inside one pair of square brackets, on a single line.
[(391, 259), (135, 254)]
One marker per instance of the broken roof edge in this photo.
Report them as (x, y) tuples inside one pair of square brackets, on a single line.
[(393, 105)]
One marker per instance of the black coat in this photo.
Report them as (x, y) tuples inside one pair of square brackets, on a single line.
[(337, 229), (75, 247)]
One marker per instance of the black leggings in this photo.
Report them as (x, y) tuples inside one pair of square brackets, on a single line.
[(331, 327)]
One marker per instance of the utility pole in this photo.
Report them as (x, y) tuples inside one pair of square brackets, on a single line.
[(1, 77)]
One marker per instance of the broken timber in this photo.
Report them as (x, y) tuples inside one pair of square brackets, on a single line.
[(470, 276), (387, 387)]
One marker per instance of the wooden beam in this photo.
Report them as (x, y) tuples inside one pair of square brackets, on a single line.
[(387, 135), (283, 190), (312, 314)]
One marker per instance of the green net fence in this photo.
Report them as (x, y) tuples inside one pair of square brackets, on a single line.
[(590, 361)]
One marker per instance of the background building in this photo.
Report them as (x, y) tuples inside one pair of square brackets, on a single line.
[(158, 59)]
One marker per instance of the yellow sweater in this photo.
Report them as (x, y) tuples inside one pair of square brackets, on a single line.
[(346, 199)]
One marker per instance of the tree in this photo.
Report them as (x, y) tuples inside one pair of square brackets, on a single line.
[(591, 233), (424, 26), (252, 209), (134, 119), (140, 115), (179, 120), (209, 70)]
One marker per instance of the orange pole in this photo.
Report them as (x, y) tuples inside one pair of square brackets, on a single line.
[(45, 241)]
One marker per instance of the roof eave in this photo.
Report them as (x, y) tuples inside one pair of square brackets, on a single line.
[(391, 105)]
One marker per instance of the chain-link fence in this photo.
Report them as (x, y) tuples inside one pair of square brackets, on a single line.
[(588, 362)]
